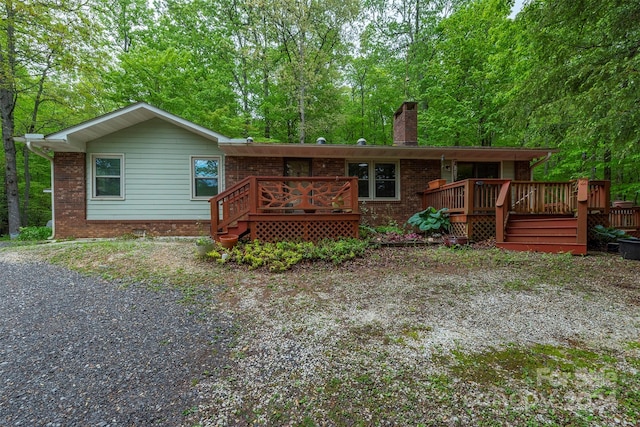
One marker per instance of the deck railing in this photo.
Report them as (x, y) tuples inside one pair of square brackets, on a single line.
[(625, 218), (471, 196), (283, 195), (499, 196), (571, 197)]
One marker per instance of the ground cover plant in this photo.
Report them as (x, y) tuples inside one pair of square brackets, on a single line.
[(402, 335)]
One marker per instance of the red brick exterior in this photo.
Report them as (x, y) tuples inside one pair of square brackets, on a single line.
[(522, 171), (414, 177), (70, 209), (70, 195)]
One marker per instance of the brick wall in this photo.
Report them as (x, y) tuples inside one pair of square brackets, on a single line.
[(522, 171), (415, 176), (238, 168), (69, 194)]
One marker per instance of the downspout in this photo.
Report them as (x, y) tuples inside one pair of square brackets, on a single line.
[(538, 163), (28, 139)]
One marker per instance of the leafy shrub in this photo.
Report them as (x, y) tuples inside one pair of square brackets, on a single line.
[(34, 233), (282, 256), (610, 234), (431, 220)]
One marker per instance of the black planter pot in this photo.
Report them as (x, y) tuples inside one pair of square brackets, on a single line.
[(629, 248)]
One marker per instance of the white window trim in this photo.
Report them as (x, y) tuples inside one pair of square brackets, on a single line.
[(372, 180), (192, 176), (93, 175)]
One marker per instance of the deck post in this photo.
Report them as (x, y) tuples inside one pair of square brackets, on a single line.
[(583, 210), (253, 194), (213, 225), (502, 209), (469, 198), (353, 185)]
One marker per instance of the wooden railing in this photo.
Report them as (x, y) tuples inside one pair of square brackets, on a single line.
[(471, 196), (543, 197), (486, 196), (625, 218), (573, 197), (283, 196)]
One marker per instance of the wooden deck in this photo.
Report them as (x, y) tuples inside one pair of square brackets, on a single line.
[(286, 208), (527, 215)]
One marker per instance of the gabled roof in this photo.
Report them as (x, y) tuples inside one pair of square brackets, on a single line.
[(74, 138)]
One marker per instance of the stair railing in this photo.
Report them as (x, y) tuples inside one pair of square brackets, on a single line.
[(582, 214), (503, 206), (231, 205)]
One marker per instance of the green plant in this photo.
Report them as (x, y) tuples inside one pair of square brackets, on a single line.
[(608, 234), (282, 256), (431, 220), (204, 241), (34, 233)]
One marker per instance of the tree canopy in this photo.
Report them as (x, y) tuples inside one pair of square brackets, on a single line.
[(560, 75)]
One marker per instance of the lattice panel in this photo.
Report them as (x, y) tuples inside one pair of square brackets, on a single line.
[(482, 227), (592, 221), (313, 231), (458, 229)]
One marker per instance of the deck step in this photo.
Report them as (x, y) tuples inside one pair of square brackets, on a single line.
[(542, 233), (542, 238)]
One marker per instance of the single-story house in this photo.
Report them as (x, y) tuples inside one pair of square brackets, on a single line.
[(143, 170)]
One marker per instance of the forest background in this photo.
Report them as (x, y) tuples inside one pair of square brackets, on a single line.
[(558, 74)]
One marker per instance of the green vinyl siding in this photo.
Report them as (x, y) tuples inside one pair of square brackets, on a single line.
[(157, 176)]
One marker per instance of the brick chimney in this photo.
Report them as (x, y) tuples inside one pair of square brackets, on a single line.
[(405, 125)]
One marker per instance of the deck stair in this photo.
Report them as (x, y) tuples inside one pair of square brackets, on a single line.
[(552, 233)]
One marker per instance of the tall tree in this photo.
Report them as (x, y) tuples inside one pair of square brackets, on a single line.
[(462, 85), (581, 91), (311, 35), (35, 39)]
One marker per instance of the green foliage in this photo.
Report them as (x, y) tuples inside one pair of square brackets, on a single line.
[(431, 220), (34, 233), (282, 256), (608, 234)]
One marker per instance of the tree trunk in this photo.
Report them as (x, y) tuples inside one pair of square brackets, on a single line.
[(7, 105)]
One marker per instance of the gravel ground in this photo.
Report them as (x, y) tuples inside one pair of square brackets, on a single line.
[(78, 351)]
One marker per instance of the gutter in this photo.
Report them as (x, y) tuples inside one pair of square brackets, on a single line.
[(29, 139), (543, 160)]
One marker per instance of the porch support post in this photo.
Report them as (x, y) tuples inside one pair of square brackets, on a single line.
[(502, 210), (583, 210), (253, 194), (469, 187), (354, 195)]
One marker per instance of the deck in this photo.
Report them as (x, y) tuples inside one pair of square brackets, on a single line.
[(286, 208), (528, 215)]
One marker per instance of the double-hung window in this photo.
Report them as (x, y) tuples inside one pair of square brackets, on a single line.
[(205, 172), (376, 180), (108, 176)]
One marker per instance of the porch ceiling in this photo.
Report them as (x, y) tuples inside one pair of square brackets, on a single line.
[(382, 152)]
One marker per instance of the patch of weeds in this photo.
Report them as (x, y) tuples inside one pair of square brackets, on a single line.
[(518, 285)]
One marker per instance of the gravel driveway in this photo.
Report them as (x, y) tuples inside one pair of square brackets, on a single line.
[(78, 351)]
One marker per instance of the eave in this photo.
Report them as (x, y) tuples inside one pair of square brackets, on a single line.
[(478, 154)]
